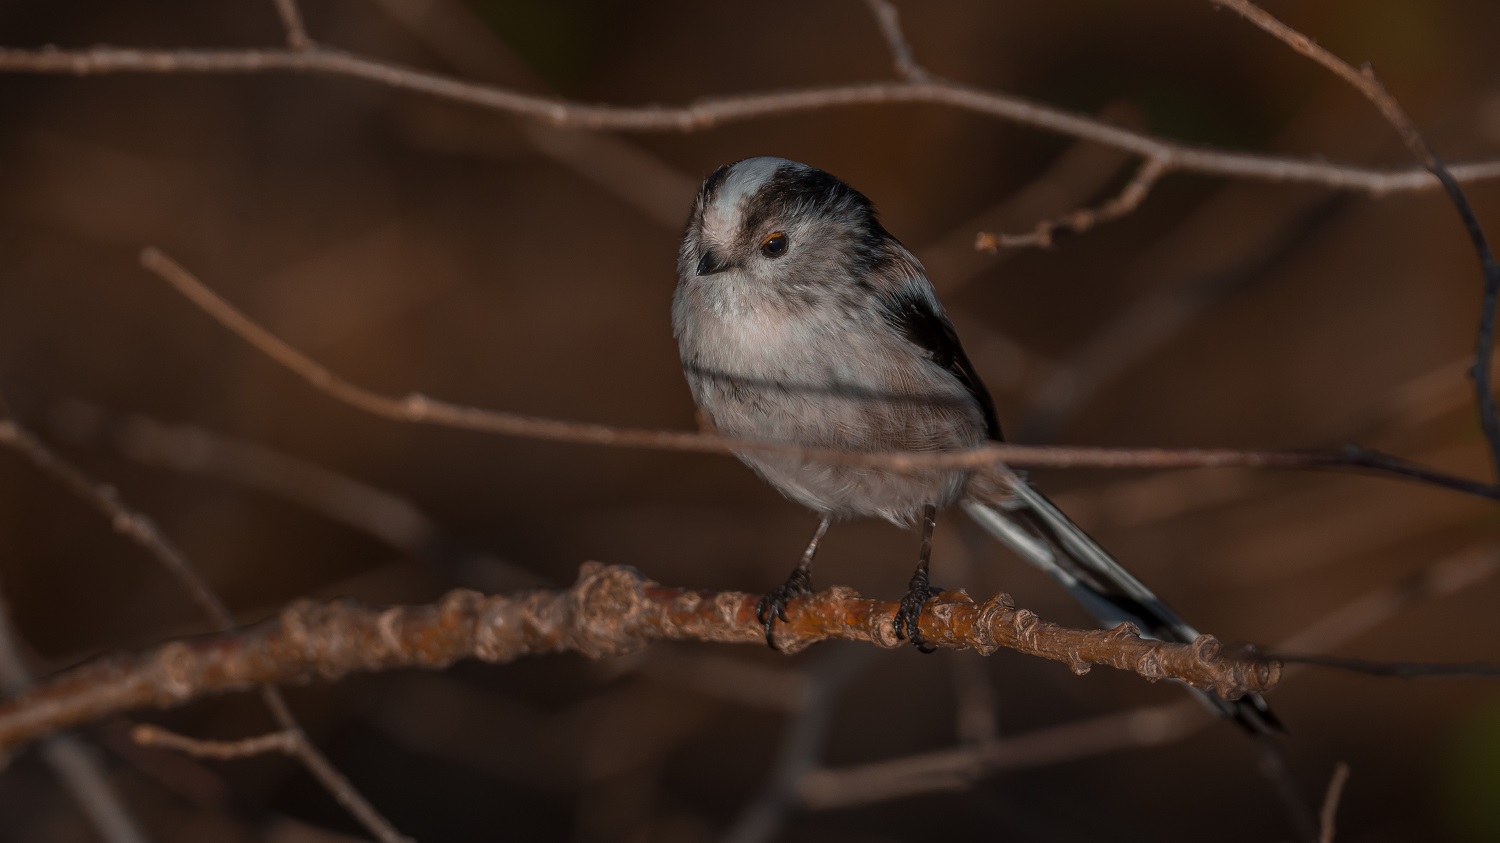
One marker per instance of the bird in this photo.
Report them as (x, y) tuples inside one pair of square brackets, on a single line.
[(801, 321)]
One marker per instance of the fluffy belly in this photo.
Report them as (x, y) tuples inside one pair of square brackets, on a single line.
[(843, 418)]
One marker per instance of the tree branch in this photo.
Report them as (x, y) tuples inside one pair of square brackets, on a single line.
[(1365, 81), (138, 528), (718, 111), (285, 743), (1044, 234), (996, 457), (291, 21), (74, 763), (1329, 813), (959, 767), (610, 611), (889, 21)]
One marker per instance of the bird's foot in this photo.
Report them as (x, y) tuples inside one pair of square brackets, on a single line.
[(773, 605), (909, 615)]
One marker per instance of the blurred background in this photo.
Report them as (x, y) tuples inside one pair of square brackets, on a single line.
[(417, 245)]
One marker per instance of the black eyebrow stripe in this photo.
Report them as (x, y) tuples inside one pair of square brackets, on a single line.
[(711, 184)]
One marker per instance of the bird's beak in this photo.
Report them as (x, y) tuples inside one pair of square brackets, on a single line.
[(711, 263)]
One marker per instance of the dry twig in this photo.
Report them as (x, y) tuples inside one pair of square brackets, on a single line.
[(1045, 233), (718, 111), (958, 767), (1365, 81), (803, 743), (285, 743), (889, 21), (609, 611), (291, 21), (379, 513), (1330, 810), (74, 763), (141, 530), (997, 457)]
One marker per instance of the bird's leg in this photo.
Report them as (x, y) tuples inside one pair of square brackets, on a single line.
[(920, 589), (798, 583)]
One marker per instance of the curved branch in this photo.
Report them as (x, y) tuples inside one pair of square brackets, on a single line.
[(710, 112), (995, 457), (610, 611)]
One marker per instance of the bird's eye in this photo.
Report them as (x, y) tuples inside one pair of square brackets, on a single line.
[(774, 246)]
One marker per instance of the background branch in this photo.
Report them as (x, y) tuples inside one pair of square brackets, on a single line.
[(1365, 81), (77, 766), (144, 533), (996, 456), (959, 767), (719, 111), (291, 21)]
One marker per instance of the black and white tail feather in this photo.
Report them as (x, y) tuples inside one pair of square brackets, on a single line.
[(1030, 525)]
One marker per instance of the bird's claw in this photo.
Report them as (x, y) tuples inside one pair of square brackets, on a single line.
[(909, 615), (772, 606)]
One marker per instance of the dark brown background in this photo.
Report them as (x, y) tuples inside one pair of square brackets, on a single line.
[(414, 245)]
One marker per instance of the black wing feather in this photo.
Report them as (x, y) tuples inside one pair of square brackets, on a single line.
[(917, 320)]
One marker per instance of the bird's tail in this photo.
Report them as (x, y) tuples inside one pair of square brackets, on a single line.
[(1030, 525)]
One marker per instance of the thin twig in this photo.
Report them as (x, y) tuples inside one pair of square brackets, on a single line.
[(75, 764), (419, 409), (611, 610), (1365, 81), (718, 111), (802, 747), (459, 36), (1330, 810), (141, 530), (1143, 327), (960, 766), (78, 765), (889, 21), (342, 499), (1083, 170), (285, 743), (132, 524), (1045, 233), (291, 21), (1399, 670)]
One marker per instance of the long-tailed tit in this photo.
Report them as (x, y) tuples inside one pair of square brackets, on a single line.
[(800, 320)]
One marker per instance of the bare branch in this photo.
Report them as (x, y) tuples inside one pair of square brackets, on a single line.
[(802, 744), (1362, 80), (995, 457), (460, 37), (611, 610), (285, 743), (1399, 670), (1128, 199), (953, 769), (291, 21), (129, 523), (1155, 319), (141, 530), (958, 767), (719, 111), (342, 499), (1081, 171), (1330, 810), (889, 21), (74, 763), (1365, 81)]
